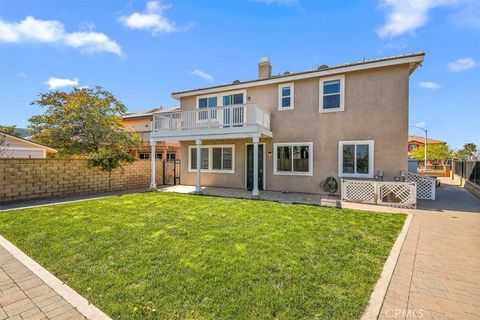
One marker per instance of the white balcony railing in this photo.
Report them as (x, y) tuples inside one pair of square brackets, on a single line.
[(220, 117)]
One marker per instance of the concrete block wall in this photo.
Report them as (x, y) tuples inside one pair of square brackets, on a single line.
[(25, 179)]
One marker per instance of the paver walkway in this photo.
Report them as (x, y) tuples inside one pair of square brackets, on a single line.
[(23, 295), (438, 272)]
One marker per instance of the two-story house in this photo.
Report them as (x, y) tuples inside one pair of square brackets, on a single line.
[(141, 122), (289, 132)]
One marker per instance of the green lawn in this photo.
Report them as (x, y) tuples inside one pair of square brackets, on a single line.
[(173, 256)]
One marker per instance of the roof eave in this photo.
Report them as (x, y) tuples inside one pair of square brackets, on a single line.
[(413, 60)]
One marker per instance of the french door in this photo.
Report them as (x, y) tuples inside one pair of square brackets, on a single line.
[(234, 115)]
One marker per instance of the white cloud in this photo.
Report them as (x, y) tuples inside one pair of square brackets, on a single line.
[(22, 74), (153, 19), (421, 124), (31, 30), (429, 85), (462, 64), (54, 83), (405, 16), (202, 75)]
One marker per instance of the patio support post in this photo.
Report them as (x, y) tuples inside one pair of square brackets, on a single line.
[(153, 184), (198, 186), (255, 192)]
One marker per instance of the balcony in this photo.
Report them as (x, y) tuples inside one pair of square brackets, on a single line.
[(235, 121)]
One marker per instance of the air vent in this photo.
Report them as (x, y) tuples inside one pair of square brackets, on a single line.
[(236, 81), (322, 67)]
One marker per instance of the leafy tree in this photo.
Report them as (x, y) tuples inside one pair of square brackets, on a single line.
[(437, 151), (85, 123), (11, 130), (4, 151), (469, 152)]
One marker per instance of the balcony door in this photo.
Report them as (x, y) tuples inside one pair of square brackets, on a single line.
[(234, 116)]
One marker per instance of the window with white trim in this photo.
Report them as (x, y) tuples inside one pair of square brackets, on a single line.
[(355, 159), (286, 96), (144, 155), (294, 158), (332, 92), (213, 158), (205, 103)]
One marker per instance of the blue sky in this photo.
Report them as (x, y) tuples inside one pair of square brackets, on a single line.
[(142, 51)]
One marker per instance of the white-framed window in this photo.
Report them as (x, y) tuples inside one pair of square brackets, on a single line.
[(204, 103), (332, 94), (213, 158), (355, 159), (144, 155), (293, 158), (208, 104), (286, 96)]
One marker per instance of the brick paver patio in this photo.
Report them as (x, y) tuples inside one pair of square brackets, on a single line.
[(438, 272), (23, 295)]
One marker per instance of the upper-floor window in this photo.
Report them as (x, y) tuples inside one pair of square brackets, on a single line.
[(412, 147), (205, 103), (285, 96), (332, 91)]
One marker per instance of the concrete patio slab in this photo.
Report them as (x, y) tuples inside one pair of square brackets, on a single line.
[(303, 198)]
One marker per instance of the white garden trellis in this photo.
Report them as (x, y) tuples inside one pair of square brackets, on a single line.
[(426, 185), (388, 193)]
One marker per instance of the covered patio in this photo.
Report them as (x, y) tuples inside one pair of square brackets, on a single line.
[(240, 121)]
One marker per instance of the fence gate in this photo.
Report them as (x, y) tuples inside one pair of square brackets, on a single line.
[(425, 185), (171, 172)]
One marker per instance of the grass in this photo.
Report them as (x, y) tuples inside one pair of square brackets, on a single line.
[(173, 256)]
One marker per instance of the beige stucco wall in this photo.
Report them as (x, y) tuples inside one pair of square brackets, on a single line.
[(376, 108), (139, 124)]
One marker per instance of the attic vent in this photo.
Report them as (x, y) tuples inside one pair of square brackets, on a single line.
[(286, 73), (322, 67), (236, 81)]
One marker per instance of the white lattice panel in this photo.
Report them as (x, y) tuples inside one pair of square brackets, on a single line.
[(380, 192), (359, 191), (396, 193), (425, 186)]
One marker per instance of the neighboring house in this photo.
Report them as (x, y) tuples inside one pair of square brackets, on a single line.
[(18, 132), (415, 142), (289, 132), (16, 147), (141, 122)]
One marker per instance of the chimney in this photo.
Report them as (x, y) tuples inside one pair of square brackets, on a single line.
[(264, 68)]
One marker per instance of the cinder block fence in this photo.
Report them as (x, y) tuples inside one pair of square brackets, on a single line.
[(25, 179)]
